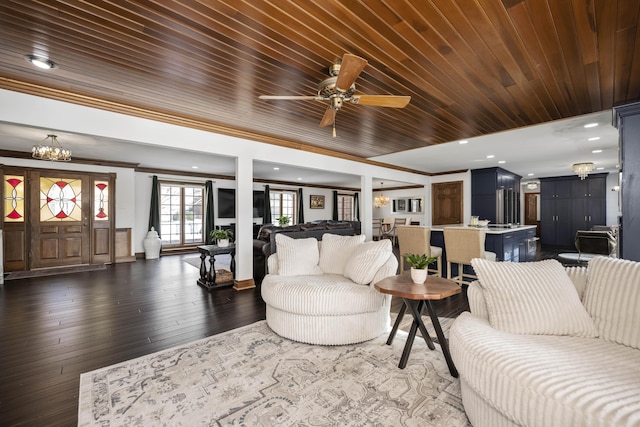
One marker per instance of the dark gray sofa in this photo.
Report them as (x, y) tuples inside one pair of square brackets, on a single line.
[(265, 243)]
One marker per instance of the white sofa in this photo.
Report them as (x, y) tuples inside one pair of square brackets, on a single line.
[(527, 356), (322, 292)]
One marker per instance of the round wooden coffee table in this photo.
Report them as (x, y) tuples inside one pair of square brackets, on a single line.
[(416, 297)]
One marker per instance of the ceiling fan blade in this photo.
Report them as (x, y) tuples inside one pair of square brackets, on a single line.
[(392, 101), (350, 69), (292, 97), (328, 118)]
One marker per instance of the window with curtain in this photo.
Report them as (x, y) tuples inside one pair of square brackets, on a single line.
[(283, 203), (345, 207), (181, 214)]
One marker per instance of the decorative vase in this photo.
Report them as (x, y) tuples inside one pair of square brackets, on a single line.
[(223, 243), (152, 244), (418, 275)]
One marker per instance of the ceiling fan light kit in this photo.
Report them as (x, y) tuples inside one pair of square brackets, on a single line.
[(340, 87)]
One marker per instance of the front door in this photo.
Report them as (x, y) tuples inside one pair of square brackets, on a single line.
[(54, 218), (59, 213)]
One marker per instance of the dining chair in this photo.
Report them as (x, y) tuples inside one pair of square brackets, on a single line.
[(394, 229), (461, 245), (376, 230)]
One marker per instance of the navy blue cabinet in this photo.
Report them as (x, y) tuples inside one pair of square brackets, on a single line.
[(627, 120), (569, 204), (495, 195)]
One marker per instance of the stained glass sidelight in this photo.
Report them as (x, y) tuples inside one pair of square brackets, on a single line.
[(14, 198), (101, 200), (60, 199)]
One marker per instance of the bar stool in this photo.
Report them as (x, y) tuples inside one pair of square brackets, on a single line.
[(461, 246), (415, 240)]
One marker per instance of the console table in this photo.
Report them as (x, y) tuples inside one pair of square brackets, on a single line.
[(208, 276)]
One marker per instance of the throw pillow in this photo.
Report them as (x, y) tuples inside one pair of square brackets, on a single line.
[(336, 250), (612, 298), (366, 260), (297, 257), (532, 298)]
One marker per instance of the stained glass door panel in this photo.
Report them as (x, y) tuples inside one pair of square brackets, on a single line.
[(60, 220)]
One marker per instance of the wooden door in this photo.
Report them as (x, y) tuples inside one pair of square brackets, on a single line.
[(447, 203), (531, 210), (54, 218), (59, 213)]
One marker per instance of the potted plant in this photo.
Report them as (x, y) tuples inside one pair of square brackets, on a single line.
[(283, 220), (221, 237), (419, 264)]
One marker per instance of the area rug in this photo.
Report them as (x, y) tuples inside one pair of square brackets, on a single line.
[(252, 377)]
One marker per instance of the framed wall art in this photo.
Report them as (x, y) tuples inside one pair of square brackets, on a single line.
[(317, 201)]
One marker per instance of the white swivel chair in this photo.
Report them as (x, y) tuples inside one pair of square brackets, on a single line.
[(416, 240), (461, 246)]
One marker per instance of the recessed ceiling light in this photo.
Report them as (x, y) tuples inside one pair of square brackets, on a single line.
[(299, 179), (594, 138), (276, 169), (490, 156), (600, 168), (596, 151), (530, 174), (464, 141), (41, 62), (194, 167), (501, 161), (591, 125)]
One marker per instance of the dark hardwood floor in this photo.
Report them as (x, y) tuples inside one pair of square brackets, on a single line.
[(52, 329)]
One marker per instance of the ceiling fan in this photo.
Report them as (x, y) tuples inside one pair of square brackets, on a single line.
[(340, 87)]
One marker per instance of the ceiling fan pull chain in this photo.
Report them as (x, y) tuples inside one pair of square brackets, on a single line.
[(334, 129)]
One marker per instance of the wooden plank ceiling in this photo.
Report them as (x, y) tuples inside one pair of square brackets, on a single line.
[(471, 67)]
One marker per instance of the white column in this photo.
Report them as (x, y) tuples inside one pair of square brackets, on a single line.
[(366, 205), (244, 218)]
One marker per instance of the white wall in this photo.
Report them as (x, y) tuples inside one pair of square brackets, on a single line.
[(613, 206), (133, 189), (413, 193)]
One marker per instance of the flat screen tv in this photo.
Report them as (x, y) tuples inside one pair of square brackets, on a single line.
[(227, 203), (258, 204)]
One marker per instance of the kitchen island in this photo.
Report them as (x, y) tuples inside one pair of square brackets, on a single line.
[(516, 243)]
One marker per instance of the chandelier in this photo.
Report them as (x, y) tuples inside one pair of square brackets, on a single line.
[(582, 169), (381, 200), (52, 151)]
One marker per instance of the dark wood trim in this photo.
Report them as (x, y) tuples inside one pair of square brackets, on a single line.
[(80, 160), (183, 173)]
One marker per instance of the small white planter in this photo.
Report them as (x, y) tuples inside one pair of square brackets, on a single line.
[(223, 243), (418, 275)]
